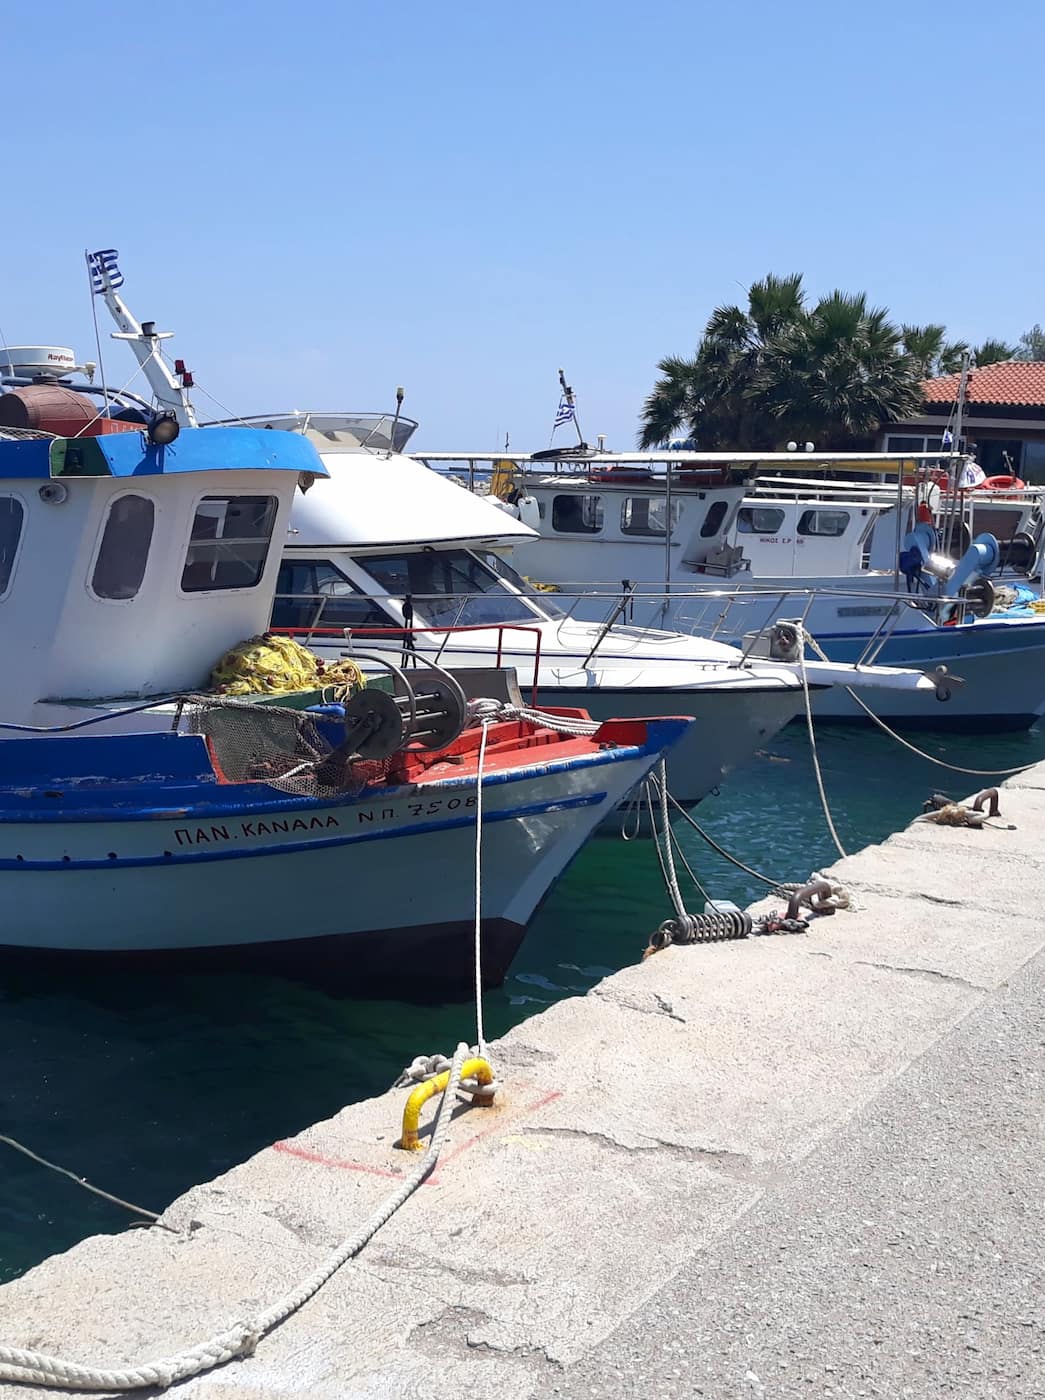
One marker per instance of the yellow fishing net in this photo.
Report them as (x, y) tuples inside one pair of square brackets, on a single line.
[(274, 665)]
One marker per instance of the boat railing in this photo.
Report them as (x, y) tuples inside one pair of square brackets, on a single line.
[(375, 432), (406, 636)]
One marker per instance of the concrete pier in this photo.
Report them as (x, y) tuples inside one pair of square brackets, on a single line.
[(794, 1165)]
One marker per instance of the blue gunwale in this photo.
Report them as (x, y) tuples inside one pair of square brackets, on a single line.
[(168, 777)]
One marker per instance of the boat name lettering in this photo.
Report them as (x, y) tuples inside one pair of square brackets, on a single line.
[(205, 835), (867, 611)]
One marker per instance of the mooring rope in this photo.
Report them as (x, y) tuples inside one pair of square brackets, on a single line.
[(480, 1034), (913, 748), (802, 635), (80, 1181), (38, 1368)]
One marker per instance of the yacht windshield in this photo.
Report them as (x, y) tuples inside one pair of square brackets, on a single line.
[(448, 587)]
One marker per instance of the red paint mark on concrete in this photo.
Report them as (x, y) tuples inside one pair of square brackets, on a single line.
[(340, 1164)]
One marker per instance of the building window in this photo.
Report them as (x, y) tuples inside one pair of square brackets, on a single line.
[(11, 517), (647, 515), (759, 520), (577, 515), (124, 550), (229, 544), (915, 444), (714, 518), (823, 522)]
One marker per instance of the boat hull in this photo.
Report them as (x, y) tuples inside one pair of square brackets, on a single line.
[(390, 874), (731, 725)]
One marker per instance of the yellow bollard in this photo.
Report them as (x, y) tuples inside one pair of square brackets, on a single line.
[(471, 1069)]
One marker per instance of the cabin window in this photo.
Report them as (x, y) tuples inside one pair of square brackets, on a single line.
[(229, 544), (124, 550), (448, 587), (714, 518), (647, 515), (823, 522), (11, 516), (577, 515), (313, 593), (759, 520)]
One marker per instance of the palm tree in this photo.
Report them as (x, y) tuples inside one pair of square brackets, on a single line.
[(707, 395), (781, 370), (931, 351), (992, 352), (838, 373)]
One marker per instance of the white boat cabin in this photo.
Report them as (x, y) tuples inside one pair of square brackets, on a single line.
[(128, 566)]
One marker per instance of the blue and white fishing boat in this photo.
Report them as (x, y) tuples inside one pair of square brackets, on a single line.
[(715, 545), (385, 552), (137, 819)]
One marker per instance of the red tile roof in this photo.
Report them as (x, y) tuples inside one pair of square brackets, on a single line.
[(1010, 381)]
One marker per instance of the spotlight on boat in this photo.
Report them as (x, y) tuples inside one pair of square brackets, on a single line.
[(940, 566), (163, 428), (792, 447), (810, 447)]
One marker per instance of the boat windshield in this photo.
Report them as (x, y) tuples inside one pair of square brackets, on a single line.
[(332, 432), (451, 587)]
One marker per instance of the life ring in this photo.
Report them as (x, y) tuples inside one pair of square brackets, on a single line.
[(1001, 483)]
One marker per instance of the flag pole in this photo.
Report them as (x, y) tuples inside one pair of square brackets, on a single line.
[(97, 334), (567, 394)]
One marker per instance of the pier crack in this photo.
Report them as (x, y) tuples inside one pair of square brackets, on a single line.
[(663, 1007), (927, 973)]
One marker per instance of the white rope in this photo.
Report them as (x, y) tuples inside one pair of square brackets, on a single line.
[(940, 763), (812, 741), (920, 753), (480, 1034), (487, 711), (37, 1368)]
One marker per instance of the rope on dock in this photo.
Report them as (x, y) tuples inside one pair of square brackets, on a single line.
[(38, 1368)]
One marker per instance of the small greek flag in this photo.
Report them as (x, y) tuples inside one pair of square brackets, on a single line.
[(564, 414), (103, 269), (948, 440)]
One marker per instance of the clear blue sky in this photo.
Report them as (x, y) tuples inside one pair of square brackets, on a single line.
[(324, 200)]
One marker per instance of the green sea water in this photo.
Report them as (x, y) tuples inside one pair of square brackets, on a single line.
[(147, 1085)]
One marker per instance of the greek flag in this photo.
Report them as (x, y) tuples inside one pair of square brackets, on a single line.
[(104, 272), (564, 414), (947, 441)]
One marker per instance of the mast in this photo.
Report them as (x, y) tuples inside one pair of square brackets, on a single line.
[(567, 394), (143, 338)]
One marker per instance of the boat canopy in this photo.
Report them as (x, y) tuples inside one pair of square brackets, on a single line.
[(132, 455)]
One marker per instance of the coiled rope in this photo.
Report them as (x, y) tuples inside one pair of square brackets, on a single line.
[(684, 927), (38, 1368)]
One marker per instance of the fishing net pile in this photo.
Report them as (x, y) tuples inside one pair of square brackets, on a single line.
[(296, 751), (274, 665)]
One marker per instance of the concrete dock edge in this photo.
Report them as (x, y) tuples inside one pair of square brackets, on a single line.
[(638, 1125)]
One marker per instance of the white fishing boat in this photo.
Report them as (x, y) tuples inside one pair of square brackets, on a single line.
[(715, 545)]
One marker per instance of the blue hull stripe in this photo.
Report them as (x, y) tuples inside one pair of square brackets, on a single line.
[(566, 804)]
